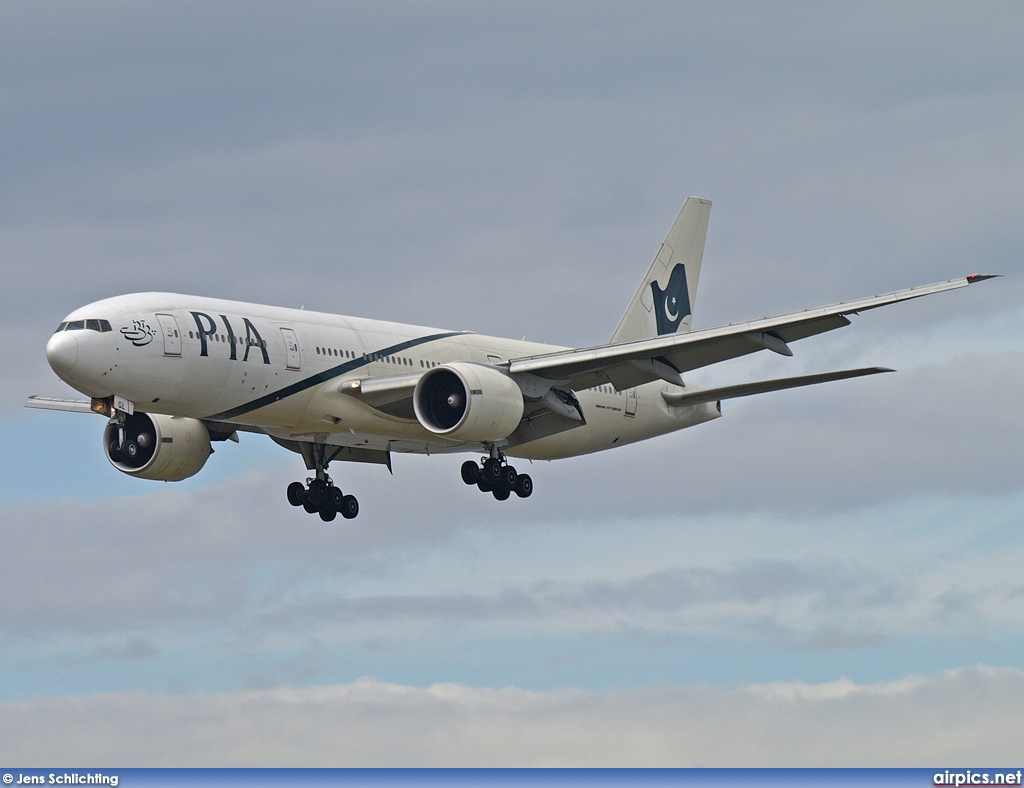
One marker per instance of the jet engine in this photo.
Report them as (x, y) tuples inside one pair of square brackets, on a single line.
[(468, 402), (165, 448)]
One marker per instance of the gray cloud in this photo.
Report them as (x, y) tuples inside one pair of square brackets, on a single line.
[(479, 172), (946, 429), (227, 555), (511, 170), (960, 718), (745, 598), (951, 429)]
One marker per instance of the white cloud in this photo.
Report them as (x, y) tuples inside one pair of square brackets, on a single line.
[(958, 718)]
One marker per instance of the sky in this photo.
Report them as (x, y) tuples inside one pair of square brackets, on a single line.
[(825, 576)]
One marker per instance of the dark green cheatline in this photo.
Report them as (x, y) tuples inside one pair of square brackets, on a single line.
[(327, 374)]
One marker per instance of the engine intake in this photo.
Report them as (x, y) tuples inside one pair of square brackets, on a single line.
[(468, 402), (165, 448)]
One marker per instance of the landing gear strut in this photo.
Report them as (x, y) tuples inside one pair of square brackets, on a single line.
[(319, 494), (496, 476)]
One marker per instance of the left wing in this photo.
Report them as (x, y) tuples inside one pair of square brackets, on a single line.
[(633, 363), (696, 396)]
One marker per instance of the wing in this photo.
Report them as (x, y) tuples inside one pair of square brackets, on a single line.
[(634, 363), (695, 396)]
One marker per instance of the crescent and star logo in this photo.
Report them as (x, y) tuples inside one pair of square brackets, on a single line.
[(139, 334), (673, 303)]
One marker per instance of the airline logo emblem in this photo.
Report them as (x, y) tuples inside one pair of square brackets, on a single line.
[(140, 334), (672, 304)]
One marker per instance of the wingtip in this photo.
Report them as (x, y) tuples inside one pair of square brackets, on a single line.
[(972, 278)]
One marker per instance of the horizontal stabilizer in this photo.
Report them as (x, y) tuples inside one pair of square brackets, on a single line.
[(697, 396), (60, 403)]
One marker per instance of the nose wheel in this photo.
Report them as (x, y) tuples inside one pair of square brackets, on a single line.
[(496, 476), (320, 496)]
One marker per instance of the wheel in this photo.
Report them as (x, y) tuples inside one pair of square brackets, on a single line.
[(470, 472), (484, 486), (328, 513), (336, 497), (317, 493), (131, 449), (114, 450), (349, 507), (508, 477), (310, 507), (296, 493), (492, 471), (524, 485), (501, 493)]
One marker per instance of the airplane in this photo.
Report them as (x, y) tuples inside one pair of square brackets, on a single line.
[(173, 373)]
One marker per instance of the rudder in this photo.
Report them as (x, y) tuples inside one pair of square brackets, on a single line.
[(664, 301)]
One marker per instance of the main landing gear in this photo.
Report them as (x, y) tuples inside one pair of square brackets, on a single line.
[(496, 476), (319, 495)]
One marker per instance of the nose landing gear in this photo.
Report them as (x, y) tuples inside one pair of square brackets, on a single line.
[(319, 495), (496, 476)]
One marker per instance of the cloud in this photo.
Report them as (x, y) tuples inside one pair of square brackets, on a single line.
[(957, 718), (511, 170)]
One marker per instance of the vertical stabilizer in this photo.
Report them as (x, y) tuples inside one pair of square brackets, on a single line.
[(664, 302)]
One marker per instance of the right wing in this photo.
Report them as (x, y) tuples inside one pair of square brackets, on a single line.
[(663, 358)]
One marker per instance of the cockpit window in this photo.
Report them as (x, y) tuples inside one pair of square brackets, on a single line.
[(81, 325)]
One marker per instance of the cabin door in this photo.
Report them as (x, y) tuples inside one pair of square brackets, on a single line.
[(293, 359)]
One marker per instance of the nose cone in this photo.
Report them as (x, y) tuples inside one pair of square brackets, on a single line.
[(62, 353)]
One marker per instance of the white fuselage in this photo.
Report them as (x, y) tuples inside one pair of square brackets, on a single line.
[(279, 370)]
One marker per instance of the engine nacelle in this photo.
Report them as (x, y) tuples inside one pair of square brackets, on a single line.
[(468, 402), (165, 448)]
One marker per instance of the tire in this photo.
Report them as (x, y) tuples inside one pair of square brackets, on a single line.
[(470, 472), (296, 493), (328, 513), (524, 485), (501, 493), (484, 486), (336, 498), (317, 493), (508, 477), (131, 450), (310, 507), (492, 471), (349, 507)]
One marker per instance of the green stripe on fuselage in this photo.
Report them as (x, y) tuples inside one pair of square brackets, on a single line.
[(327, 374)]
